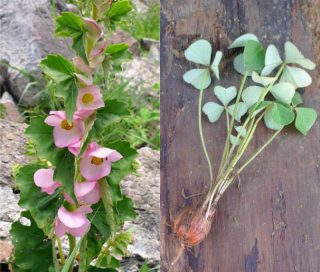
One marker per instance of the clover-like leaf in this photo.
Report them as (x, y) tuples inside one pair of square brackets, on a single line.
[(198, 78), (216, 62), (283, 92), (199, 52), (241, 41), (238, 64), (297, 76), (251, 95), (242, 131), (269, 122), (293, 55), (241, 110), (305, 119), (272, 60), (297, 99), (225, 95), (258, 107), (254, 56), (213, 111), (281, 115), (262, 79)]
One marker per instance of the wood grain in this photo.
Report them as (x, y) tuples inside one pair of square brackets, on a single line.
[(272, 221)]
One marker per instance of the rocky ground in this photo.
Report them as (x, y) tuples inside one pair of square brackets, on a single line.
[(25, 38)]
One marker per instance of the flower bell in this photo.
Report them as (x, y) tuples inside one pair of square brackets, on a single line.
[(89, 98), (87, 192), (43, 178)]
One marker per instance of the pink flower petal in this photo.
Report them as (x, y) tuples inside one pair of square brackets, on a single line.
[(84, 188), (103, 152), (59, 229), (97, 55), (50, 190), (71, 219), (43, 178), (97, 101), (78, 232), (81, 66), (68, 198), (83, 114), (93, 29), (91, 148), (85, 81), (87, 192), (94, 172), (84, 209), (65, 138), (53, 120)]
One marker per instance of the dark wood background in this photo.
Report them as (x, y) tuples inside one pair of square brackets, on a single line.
[(272, 221)]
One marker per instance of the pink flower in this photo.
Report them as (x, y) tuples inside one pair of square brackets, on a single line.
[(65, 134), (43, 178), (96, 161), (97, 54), (83, 80), (75, 148), (94, 31), (73, 222), (87, 192), (81, 66), (89, 98)]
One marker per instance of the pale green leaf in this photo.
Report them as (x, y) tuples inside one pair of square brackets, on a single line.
[(269, 122), (297, 76), (241, 110), (256, 109), (242, 131), (262, 80), (297, 99), (283, 92), (198, 78), (225, 95), (306, 117), (251, 95), (254, 56), (241, 41), (213, 111), (238, 64), (281, 114), (234, 140), (199, 52), (272, 60), (216, 62), (293, 55)]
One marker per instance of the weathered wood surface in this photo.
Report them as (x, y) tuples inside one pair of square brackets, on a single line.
[(272, 221)]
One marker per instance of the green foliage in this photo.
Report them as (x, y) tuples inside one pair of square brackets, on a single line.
[(198, 78), (119, 9), (2, 111), (199, 52), (42, 136), (305, 119), (282, 115), (61, 71), (30, 254), (272, 60), (242, 40), (144, 267), (225, 95), (254, 56)]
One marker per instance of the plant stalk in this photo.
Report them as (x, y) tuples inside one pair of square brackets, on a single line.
[(62, 258)]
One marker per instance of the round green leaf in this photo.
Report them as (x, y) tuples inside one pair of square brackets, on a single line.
[(272, 60), (242, 131), (213, 111), (251, 95), (281, 114), (241, 110), (238, 64), (225, 95), (255, 109), (306, 117), (269, 122), (297, 76), (241, 41), (283, 92), (293, 55), (254, 56), (234, 140), (297, 99), (261, 79), (198, 78), (216, 62), (199, 52)]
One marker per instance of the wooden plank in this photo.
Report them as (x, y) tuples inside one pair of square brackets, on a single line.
[(272, 221)]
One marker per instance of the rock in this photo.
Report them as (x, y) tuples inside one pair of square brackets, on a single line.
[(11, 109), (145, 192), (146, 43), (26, 37), (6, 250)]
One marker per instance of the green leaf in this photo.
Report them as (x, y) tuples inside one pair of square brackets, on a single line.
[(225, 95), (238, 64), (306, 117), (241, 110), (125, 209), (71, 257), (68, 90), (144, 267), (256, 109), (242, 131), (272, 60), (198, 78), (293, 55), (283, 92), (297, 99), (42, 206), (254, 56), (199, 52), (297, 76), (269, 122), (215, 64), (251, 95), (57, 68), (33, 252), (42, 136), (281, 114), (119, 9), (116, 48), (262, 80), (213, 111), (243, 39)]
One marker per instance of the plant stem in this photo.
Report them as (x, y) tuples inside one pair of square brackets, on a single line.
[(202, 137), (72, 244), (62, 259), (107, 203), (54, 256), (83, 255)]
